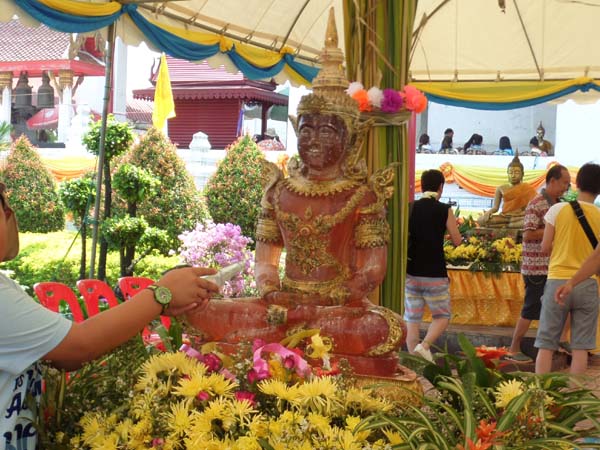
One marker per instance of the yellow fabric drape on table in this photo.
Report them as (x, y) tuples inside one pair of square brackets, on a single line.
[(79, 8), (494, 92), (484, 180), (69, 167), (479, 298)]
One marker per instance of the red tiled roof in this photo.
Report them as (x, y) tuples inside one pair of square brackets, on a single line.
[(187, 72), (247, 93), (20, 43), (139, 111), (39, 49)]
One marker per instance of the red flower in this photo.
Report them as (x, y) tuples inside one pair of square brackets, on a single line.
[(245, 395)]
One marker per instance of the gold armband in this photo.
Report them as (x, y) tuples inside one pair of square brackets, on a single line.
[(268, 231), (371, 233)]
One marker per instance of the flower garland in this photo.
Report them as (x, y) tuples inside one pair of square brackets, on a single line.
[(388, 101)]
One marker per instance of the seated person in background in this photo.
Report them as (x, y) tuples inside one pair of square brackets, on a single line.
[(473, 145), (448, 133), (504, 147), (447, 146), (534, 149), (542, 144), (424, 145), (514, 196)]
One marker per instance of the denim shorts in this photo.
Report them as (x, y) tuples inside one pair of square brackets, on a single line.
[(534, 289), (421, 291), (582, 303)]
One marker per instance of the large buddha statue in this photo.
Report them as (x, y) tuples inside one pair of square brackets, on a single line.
[(331, 219), (514, 196)]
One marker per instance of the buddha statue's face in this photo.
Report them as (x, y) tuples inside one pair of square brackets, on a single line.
[(515, 174), (540, 133), (321, 140)]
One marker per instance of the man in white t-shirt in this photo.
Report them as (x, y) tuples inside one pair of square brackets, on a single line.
[(30, 333)]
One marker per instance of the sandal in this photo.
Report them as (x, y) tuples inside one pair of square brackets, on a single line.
[(518, 357)]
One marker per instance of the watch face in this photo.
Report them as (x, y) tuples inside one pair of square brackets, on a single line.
[(162, 295)]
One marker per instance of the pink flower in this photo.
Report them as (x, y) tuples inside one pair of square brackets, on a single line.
[(202, 396), (212, 361), (257, 375), (392, 101), (227, 374), (158, 442), (245, 395), (258, 343), (289, 362)]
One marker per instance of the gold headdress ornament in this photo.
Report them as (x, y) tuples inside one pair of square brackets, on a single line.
[(329, 86), (541, 127), (516, 162), (329, 97)]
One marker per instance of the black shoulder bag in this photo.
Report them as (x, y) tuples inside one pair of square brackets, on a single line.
[(584, 223)]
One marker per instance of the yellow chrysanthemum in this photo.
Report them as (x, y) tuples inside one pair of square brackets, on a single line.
[(219, 385), (246, 443), (362, 400), (506, 391), (348, 441), (318, 422), (178, 419), (279, 389), (351, 424), (318, 395), (257, 426), (393, 437)]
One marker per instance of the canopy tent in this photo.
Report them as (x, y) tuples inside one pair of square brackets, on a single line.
[(502, 54)]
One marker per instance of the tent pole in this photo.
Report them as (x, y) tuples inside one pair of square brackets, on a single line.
[(101, 148)]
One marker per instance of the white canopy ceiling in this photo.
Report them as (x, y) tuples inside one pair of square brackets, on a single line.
[(506, 40), (453, 39)]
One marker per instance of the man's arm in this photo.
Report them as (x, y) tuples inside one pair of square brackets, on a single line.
[(533, 235), (548, 239), (452, 228), (98, 335)]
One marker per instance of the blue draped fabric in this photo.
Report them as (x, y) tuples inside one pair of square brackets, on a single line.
[(66, 23), (162, 39), (168, 42), (511, 105)]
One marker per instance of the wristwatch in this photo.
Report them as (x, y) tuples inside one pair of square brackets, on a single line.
[(162, 296)]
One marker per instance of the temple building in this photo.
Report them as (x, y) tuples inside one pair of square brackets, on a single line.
[(214, 101), (55, 64)]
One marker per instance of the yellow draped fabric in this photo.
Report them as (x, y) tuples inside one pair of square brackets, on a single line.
[(478, 298), (517, 197), (484, 180), (505, 92), (79, 8), (69, 167)]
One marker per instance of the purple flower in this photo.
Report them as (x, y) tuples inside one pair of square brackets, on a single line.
[(392, 101)]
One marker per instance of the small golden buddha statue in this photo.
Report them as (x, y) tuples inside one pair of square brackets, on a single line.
[(543, 144), (331, 219), (514, 197)]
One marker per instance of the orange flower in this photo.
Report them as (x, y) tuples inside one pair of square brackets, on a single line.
[(362, 98), (478, 445)]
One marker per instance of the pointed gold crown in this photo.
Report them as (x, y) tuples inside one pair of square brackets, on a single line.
[(329, 86)]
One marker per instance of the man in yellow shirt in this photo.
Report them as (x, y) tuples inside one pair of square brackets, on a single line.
[(568, 245)]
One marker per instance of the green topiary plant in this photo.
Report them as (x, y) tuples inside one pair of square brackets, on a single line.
[(178, 205), (233, 193), (118, 139), (32, 190), (78, 197)]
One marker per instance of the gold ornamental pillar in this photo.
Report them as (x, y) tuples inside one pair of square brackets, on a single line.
[(5, 97), (65, 107)]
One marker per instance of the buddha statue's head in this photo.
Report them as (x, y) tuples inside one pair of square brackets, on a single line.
[(515, 170), (540, 132), (328, 124)]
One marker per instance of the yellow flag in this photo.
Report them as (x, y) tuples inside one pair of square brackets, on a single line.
[(164, 106)]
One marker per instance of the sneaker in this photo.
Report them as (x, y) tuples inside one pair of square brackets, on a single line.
[(518, 357), (423, 352)]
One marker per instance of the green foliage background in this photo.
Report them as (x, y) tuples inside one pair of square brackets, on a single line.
[(234, 191), (43, 257), (178, 205), (31, 190)]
